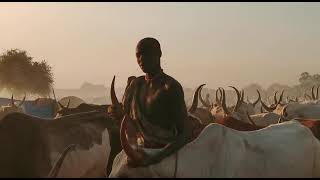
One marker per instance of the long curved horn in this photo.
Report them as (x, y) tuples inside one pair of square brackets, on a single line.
[(281, 96), (57, 165), (283, 114), (224, 106), (307, 96), (312, 94), (252, 122), (24, 98), (62, 107), (12, 101), (113, 96), (139, 156), (217, 100), (238, 100), (275, 97), (220, 98), (248, 100), (68, 103), (269, 109), (202, 101), (130, 152), (317, 97), (259, 97), (242, 96), (54, 95), (194, 105)]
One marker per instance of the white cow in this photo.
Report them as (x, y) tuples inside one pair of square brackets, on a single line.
[(296, 110), (265, 119), (287, 149)]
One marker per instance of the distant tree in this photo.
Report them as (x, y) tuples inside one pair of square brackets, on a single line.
[(20, 74)]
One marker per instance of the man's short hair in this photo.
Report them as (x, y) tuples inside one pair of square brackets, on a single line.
[(150, 42)]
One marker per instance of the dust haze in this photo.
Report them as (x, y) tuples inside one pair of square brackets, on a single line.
[(247, 45)]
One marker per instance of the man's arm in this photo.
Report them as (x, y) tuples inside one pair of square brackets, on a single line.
[(178, 108), (180, 115)]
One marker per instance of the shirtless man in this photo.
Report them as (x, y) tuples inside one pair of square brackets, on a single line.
[(155, 104)]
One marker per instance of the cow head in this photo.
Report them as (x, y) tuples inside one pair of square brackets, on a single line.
[(64, 110), (12, 107), (203, 114), (248, 107), (273, 106)]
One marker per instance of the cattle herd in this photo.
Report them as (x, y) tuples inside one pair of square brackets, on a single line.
[(248, 139)]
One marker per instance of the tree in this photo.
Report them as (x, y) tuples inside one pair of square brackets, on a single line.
[(19, 74)]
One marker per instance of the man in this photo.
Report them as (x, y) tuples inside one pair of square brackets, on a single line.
[(155, 103)]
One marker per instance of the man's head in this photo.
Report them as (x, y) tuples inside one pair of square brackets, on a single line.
[(148, 53)]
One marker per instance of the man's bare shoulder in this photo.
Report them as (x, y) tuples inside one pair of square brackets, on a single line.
[(172, 83)]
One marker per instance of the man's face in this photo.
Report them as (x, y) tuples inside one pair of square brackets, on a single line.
[(147, 58)]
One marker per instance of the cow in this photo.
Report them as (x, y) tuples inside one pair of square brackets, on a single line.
[(4, 110), (203, 114), (41, 107), (83, 107), (264, 119), (75, 101), (298, 110), (269, 152), (95, 134), (273, 106), (30, 144)]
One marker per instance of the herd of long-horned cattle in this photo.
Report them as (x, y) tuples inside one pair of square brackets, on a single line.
[(248, 139)]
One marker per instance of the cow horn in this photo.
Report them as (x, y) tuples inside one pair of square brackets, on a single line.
[(242, 96), (238, 100), (275, 97), (130, 152), (68, 103), (220, 91), (62, 107), (280, 99), (113, 96), (317, 97), (259, 97), (194, 105), (57, 165), (252, 122), (24, 98), (54, 95), (140, 156), (224, 106), (248, 100), (202, 101), (269, 109), (312, 93), (12, 101), (283, 114), (307, 96), (217, 100)]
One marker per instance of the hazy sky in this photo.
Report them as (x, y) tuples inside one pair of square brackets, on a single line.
[(219, 44)]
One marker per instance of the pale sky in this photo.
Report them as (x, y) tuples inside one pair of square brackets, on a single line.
[(219, 44)]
